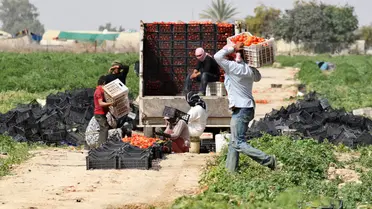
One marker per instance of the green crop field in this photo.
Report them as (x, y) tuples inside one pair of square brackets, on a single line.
[(302, 182), (349, 86), (34, 75)]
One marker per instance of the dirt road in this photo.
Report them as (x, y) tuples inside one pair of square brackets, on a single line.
[(58, 179)]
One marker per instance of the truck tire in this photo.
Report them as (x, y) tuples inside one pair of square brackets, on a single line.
[(148, 131)]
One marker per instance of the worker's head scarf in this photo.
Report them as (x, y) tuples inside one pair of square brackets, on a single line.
[(194, 99), (200, 54)]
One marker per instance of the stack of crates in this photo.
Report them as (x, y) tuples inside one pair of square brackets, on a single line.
[(169, 53), (117, 92)]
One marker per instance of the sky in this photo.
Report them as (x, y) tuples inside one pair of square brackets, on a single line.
[(89, 14)]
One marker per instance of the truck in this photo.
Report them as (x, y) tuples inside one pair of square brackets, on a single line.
[(166, 56)]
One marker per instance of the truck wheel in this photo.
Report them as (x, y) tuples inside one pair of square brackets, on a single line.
[(148, 131)]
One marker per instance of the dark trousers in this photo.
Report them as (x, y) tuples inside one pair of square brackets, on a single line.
[(203, 78), (103, 128)]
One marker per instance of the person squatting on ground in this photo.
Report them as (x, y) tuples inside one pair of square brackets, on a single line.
[(198, 114), (100, 110), (177, 130), (207, 70), (239, 78)]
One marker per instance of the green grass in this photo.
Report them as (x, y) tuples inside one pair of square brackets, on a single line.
[(11, 153), (349, 86), (31, 76), (301, 183)]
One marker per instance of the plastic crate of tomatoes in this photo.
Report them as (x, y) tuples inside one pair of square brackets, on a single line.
[(193, 28), (193, 44), (208, 28), (209, 44), (225, 28), (165, 28), (181, 27), (257, 51), (151, 27), (193, 36), (209, 36), (179, 36)]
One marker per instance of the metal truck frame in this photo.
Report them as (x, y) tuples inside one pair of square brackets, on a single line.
[(151, 107)]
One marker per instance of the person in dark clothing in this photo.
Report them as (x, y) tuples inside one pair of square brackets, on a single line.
[(117, 71), (100, 111), (207, 70)]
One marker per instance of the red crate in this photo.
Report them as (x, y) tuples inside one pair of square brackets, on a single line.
[(166, 76), (166, 69), (179, 28), (151, 27), (165, 28), (179, 70), (191, 54), (151, 37), (165, 37), (165, 45), (193, 36), (224, 29), (222, 36), (193, 44), (153, 84), (165, 53), (208, 28), (208, 36), (179, 36), (220, 45), (192, 62), (179, 45), (180, 78), (179, 53), (166, 61), (208, 44), (179, 60), (193, 28)]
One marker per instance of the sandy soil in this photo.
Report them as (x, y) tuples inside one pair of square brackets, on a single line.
[(57, 178)]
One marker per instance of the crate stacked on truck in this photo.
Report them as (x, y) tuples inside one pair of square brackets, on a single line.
[(169, 53)]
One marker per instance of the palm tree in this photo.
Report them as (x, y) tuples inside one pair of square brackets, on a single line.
[(219, 11)]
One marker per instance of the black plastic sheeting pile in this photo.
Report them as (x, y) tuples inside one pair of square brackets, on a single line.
[(315, 118), (63, 120)]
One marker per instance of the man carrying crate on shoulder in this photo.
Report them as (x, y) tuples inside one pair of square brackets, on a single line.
[(239, 78)]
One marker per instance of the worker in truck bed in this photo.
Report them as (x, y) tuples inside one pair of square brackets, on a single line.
[(117, 71), (207, 70), (239, 78)]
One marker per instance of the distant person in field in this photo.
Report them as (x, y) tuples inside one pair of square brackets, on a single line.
[(100, 111), (117, 71), (239, 79), (207, 70)]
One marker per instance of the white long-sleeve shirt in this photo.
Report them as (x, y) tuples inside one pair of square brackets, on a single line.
[(197, 121), (239, 78)]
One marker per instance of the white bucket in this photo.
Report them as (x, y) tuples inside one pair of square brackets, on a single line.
[(221, 141)]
